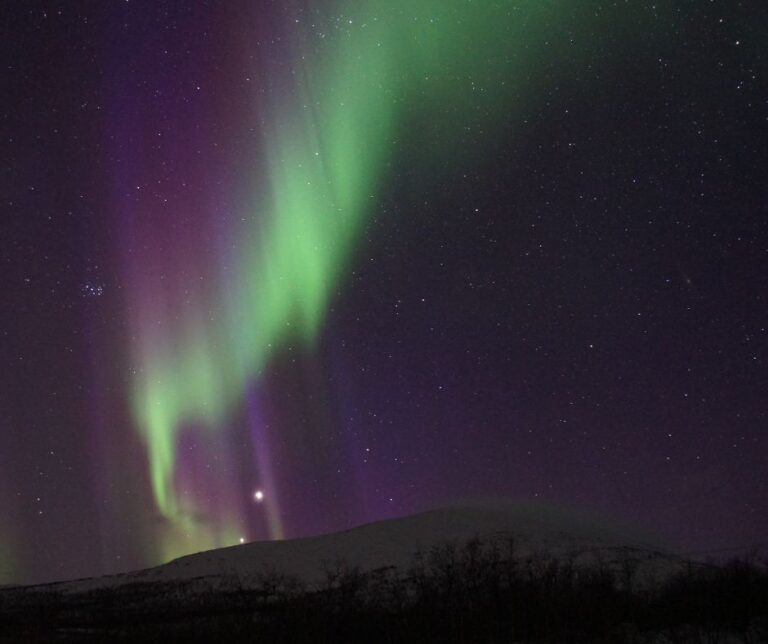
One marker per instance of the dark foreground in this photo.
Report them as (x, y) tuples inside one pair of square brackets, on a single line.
[(468, 594)]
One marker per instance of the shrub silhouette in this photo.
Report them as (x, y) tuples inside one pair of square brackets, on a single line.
[(475, 592)]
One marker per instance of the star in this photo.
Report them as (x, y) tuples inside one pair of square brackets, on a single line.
[(92, 289)]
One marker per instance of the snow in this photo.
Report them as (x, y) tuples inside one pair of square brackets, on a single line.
[(535, 528)]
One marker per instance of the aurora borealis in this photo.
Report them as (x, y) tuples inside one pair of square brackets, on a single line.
[(327, 140), (366, 256)]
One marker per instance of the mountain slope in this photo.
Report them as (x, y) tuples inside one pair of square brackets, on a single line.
[(532, 528), (481, 571)]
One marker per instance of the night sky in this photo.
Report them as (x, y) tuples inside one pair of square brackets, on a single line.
[(270, 269)]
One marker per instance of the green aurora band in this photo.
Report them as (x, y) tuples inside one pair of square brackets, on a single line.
[(380, 75)]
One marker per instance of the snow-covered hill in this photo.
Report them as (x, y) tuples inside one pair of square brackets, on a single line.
[(509, 571), (535, 529)]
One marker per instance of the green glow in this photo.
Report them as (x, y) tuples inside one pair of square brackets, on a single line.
[(379, 73), (184, 536), (7, 567)]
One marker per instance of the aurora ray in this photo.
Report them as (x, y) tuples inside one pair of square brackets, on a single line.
[(363, 77)]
